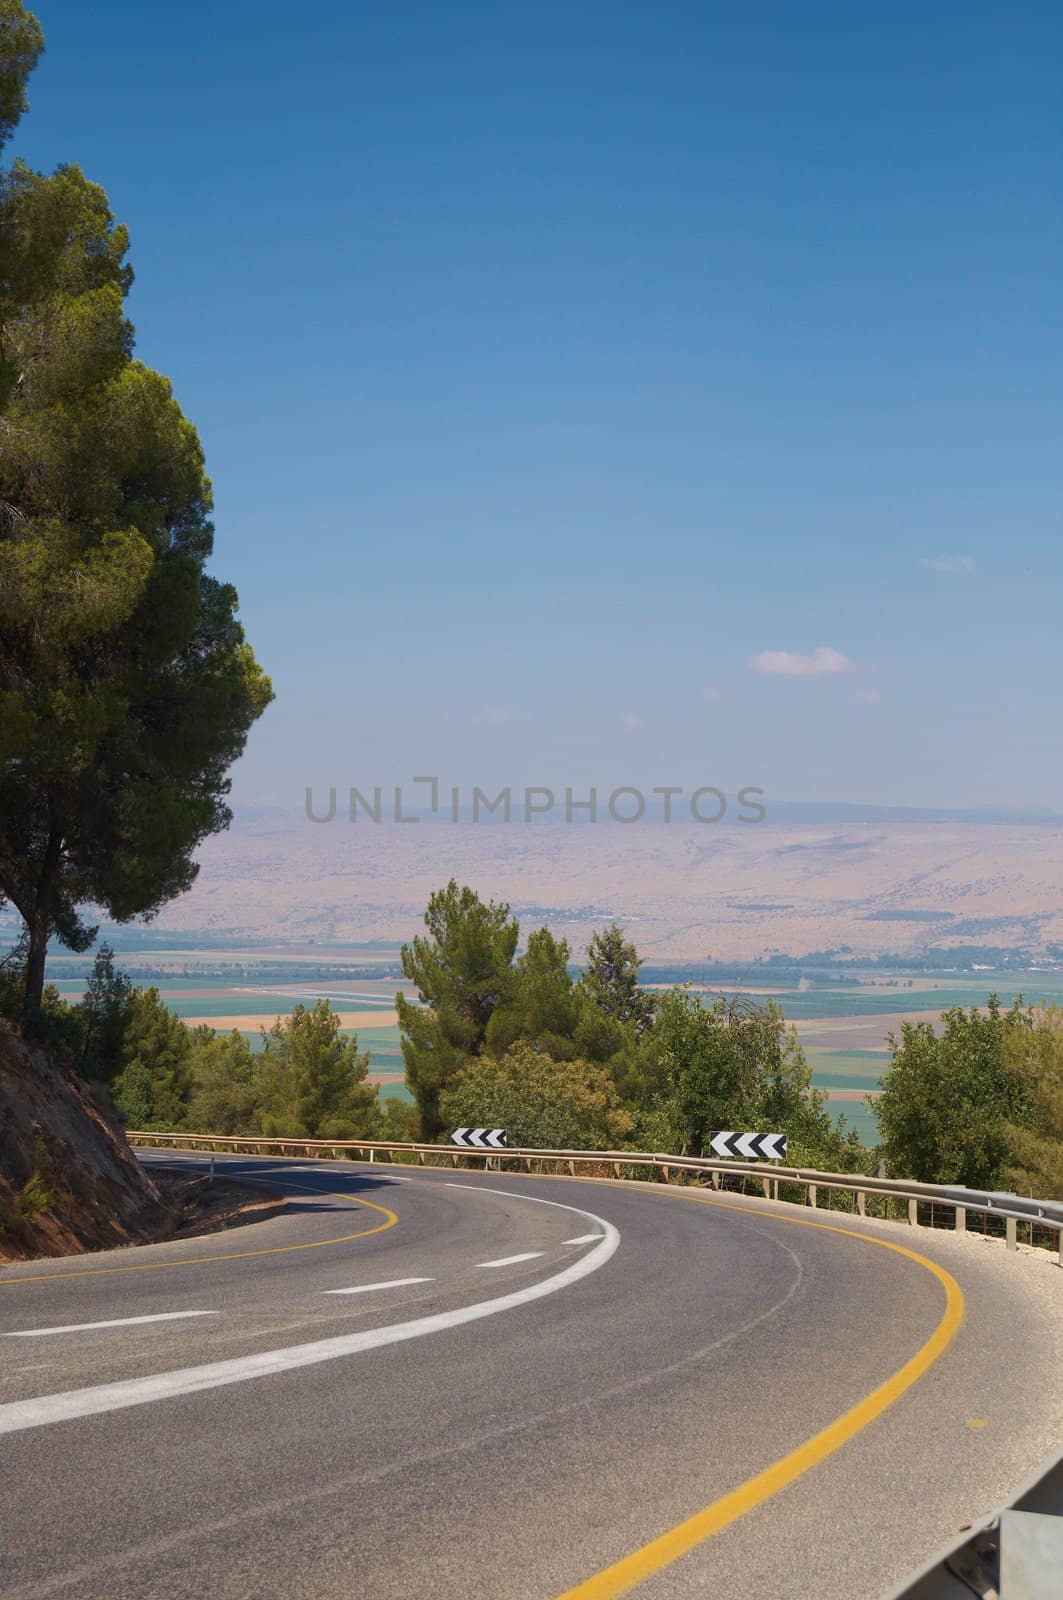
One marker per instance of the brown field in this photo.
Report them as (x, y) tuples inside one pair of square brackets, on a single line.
[(861, 1033), (854, 1034), (251, 1022)]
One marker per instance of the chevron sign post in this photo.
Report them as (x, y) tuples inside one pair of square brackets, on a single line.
[(749, 1146), (479, 1138)]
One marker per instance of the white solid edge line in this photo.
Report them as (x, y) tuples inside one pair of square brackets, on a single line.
[(584, 1238), (114, 1322), (17, 1415), (510, 1261), (366, 1288)]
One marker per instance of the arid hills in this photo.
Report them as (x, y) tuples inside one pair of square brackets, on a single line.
[(686, 892)]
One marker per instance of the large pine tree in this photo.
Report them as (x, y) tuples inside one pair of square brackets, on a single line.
[(127, 688), (463, 971)]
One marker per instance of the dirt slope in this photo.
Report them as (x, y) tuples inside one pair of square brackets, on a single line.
[(68, 1180)]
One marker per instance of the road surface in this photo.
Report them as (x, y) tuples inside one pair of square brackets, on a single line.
[(458, 1384)]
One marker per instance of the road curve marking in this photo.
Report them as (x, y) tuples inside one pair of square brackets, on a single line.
[(18, 1415), (623, 1575), (230, 1255), (112, 1322)]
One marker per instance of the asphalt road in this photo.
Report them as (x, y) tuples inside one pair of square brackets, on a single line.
[(533, 1379)]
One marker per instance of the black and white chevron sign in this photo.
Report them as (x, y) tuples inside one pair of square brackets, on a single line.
[(480, 1138), (749, 1146)]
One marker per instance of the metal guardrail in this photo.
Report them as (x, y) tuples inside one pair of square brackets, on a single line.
[(1013, 1209)]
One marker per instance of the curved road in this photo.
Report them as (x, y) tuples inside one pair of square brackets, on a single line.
[(456, 1384)]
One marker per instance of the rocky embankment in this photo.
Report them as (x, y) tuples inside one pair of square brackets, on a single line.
[(68, 1180)]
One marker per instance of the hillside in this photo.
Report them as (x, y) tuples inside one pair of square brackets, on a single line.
[(68, 1180)]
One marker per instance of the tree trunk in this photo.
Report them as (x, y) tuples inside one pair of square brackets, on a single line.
[(35, 959), (34, 975), (38, 927)]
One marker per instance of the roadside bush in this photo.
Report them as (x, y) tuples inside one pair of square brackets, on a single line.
[(949, 1099), (542, 1103)]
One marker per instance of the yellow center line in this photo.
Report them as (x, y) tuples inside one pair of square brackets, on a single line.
[(623, 1575), (231, 1255)]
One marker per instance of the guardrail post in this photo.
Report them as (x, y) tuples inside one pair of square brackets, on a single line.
[(812, 1195), (913, 1212), (372, 1155), (961, 1219), (1011, 1233), (765, 1184), (861, 1202)]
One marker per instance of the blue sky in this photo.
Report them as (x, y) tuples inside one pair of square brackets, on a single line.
[(571, 375)]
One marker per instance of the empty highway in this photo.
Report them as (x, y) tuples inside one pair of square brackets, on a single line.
[(458, 1384)]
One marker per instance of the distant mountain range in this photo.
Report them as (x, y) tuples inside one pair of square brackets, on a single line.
[(863, 881), (816, 811), (875, 880), (845, 811)]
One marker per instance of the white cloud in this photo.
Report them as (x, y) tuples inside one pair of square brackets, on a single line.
[(788, 664), (493, 715), (948, 563), (865, 697), (712, 694)]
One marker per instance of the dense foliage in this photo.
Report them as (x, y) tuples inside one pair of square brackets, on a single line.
[(541, 1102), (731, 1064), (307, 1080), (556, 1057), (463, 971), (952, 1093), (1035, 1148)]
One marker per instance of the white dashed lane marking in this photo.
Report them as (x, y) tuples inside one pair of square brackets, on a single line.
[(114, 1322), (509, 1261), (366, 1288)]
